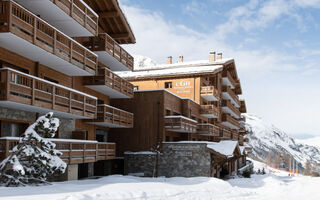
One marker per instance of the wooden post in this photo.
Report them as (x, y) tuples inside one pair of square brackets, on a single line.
[(7, 85), (70, 101), (84, 105), (33, 91), (34, 30), (54, 41), (9, 16), (85, 17), (53, 97), (71, 8), (84, 59), (70, 152), (97, 149)]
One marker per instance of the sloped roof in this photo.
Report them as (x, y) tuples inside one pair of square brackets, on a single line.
[(112, 20), (225, 147)]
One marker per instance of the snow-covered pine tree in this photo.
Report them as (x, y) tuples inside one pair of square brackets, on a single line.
[(34, 159)]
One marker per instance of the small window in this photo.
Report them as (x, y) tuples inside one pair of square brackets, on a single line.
[(168, 84), (168, 112), (12, 129), (135, 88), (51, 80)]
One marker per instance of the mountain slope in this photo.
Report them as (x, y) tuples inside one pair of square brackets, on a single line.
[(264, 138), (142, 61), (315, 141)]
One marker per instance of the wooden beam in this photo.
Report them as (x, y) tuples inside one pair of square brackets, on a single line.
[(108, 14), (119, 35)]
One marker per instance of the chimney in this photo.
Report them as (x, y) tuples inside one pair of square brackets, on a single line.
[(219, 56), (212, 56), (169, 60), (180, 59)]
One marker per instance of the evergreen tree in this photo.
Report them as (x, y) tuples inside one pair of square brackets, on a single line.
[(34, 159)]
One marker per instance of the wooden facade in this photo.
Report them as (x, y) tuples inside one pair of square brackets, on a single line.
[(43, 68)]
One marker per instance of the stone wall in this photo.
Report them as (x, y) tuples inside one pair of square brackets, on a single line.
[(139, 163), (185, 159), (176, 159)]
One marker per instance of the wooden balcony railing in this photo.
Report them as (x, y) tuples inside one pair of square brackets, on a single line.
[(227, 103), (22, 23), (226, 74), (240, 139), (103, 42), (243, 108), (235, 136), (208, 129), (22, 88), (112, 117), (111, 80), (225, 134), (73, 151), (228, 90), (210, 93), (228, 118), (80, 12), (180, 124), (210, 111)]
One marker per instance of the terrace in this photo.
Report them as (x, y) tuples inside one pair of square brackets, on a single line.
[(112, 117), (210, 111), (73, 17), (108, 83), (208, 129), (180, 124), (25, 92), (73, 151), (209, 93), (26, 34), (109, 51)]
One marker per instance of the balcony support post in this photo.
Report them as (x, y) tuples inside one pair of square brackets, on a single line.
[(70, 153), (33, 92), (9, 12), (53, 97), (7, 85)]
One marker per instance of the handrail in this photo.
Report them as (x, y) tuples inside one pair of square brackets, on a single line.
[(180, 123), (229, 118), (114, 115), (27, 89), (226, 74), (210, 109), (21, 22), (107, 77), (231, 93), (73, 151), (227, 103)]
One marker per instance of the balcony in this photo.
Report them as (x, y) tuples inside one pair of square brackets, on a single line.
[(229, 121), (228, 94), (209, 111), (180, 124), (112, 117), (208, 130), (225, 134), (235, 136), (209, 93), (109, 51), (241, 140), (73, 17), (227, 80), (73, 151), (110, 84), (26, 34), (227, 107), (243, 108), (25, 92)]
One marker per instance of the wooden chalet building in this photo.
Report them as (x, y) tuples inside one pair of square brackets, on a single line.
[(183, 101), (60, 56)]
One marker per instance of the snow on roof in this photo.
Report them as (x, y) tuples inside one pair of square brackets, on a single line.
[(242, 150), (225, 147), (141, 153), (170, 71), (151, 65), (180, 116)]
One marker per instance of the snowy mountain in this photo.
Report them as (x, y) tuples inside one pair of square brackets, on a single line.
[(142, 61), (315, 141), (264, 138)]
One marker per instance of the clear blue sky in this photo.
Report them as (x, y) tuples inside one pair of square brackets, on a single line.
[(275, 43)]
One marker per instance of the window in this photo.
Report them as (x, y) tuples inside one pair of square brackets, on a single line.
[(51, 80), (168, 85), (168, 112), (13, 129), (135, 88)]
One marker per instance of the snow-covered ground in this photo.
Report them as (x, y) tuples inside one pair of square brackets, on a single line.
[(273, 185)]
